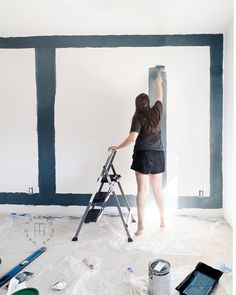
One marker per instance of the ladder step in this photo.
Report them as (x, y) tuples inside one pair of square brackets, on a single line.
[(114, 178), (93, 215), (100, 197)]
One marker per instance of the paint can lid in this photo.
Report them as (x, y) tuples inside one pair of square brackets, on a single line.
[(26, 291), (159, 267)]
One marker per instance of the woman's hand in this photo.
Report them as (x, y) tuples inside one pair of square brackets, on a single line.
[(112, 148)]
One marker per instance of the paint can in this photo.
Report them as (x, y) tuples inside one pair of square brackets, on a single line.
[(159, 277)]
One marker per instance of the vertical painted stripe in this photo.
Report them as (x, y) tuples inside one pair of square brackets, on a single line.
[(152, 91), (216, 118), (46, 89)]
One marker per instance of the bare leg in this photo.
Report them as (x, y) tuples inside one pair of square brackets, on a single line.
[(156, 184), (142, 187)]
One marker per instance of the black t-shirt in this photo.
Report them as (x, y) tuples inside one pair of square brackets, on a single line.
[(145, 140)]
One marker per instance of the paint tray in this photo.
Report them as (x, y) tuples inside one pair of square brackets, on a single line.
[(200, 281)]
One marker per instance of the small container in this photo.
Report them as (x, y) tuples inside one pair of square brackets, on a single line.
[(159, 277), (128, 275), (27, 291)]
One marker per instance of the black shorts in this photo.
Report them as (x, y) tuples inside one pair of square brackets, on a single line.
[(148, 161)]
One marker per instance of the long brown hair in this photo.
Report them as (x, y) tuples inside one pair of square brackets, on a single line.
[(143, 109)]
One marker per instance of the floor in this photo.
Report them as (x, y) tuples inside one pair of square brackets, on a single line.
[(191, 236)]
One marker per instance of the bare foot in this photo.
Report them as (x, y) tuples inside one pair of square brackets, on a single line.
[(139, 231), (162, 224)]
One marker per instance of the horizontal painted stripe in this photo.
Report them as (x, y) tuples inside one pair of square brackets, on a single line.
[(110, 41)]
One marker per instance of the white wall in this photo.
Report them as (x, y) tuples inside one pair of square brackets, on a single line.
[(95, 96), (80, 17), (96, 89), (18, 121), (228, 123)]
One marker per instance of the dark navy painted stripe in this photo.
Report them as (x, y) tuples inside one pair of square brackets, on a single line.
[(46, 89), (196, 202), (216, 122), (109, 41), (58, 199)]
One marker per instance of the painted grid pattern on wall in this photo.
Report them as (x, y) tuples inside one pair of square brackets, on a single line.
[(45, 51)]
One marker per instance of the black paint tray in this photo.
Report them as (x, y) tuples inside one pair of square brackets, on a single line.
[(200, 281)]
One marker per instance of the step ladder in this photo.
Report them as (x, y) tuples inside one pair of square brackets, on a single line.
[(99, 198)]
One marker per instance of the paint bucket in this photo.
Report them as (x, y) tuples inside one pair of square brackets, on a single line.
[(159, 277), (26, 291)]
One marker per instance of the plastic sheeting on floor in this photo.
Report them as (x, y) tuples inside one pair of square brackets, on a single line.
[(191, 236)]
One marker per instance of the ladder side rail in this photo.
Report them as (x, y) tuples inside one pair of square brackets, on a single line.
[(127, 204), (113, 169), (124, 196), (81, 222), (122, 218), (108, 177), (110, 160)]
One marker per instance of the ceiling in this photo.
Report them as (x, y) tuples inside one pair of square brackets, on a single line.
[(101, 17)]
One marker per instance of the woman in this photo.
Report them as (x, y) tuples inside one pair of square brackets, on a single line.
[(148, 157)]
